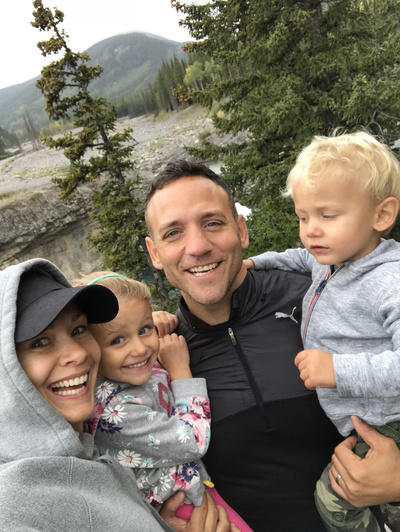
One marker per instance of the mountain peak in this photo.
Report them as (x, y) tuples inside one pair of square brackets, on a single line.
[(130, 60)]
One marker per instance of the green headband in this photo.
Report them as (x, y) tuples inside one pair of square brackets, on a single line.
[(93, 281)]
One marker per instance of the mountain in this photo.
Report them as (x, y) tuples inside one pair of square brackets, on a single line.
[(130, 60)]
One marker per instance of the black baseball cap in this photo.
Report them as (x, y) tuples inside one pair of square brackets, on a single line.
[(41, 298)]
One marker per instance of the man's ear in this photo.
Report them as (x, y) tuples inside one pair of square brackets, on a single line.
[(386, 214), (152, 249), (243, 232)]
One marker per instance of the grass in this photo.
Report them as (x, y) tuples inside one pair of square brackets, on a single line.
[(162, 116), (156, 145), (5, 196), (203, 135), (9, 161), (13, 199), (194, 110), (59, 171)]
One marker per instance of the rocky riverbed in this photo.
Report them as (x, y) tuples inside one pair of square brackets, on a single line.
[(34, 222)]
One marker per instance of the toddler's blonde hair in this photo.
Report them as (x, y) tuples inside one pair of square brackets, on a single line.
[(360, 156), (120, 285)]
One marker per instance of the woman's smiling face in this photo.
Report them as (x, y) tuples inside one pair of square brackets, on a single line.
[(62, 364)]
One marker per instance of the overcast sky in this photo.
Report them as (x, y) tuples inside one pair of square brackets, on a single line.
[(85, 21)]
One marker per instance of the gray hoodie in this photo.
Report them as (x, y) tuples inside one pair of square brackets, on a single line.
[(51, 478), (354, 314)]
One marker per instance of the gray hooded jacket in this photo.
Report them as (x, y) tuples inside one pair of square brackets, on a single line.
[(51, 478), (354, 314)]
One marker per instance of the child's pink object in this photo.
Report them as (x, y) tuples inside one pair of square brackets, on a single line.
[(185, 511)]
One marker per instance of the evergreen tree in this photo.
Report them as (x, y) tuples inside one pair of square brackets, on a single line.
[(7, 140), (293, 69), (94, 149), (32, 132), (2, 146), (164, 93)]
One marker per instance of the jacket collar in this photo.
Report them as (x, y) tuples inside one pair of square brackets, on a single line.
[(238, 299)]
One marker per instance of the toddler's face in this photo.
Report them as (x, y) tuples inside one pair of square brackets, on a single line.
[(129, 343), (336, 218)]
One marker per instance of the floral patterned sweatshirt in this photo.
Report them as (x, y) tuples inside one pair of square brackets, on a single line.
[(160, 429)]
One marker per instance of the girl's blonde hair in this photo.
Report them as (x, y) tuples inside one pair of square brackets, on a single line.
[(120, 285), (359, 155)]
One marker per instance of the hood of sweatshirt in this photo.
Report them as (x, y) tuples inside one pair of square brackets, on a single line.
[(385, 253), (31, 427)]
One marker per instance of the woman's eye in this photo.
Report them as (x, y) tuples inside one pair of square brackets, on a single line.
[(79, 330), (117, 340), (329, 216), (40, 342)]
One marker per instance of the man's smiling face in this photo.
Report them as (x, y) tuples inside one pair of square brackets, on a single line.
[(197, 240)]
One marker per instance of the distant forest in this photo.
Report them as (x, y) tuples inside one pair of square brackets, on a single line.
[(7, 141), (137, 81), (173, 87)]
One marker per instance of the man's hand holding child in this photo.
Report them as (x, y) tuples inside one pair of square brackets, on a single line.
[(165, 322)]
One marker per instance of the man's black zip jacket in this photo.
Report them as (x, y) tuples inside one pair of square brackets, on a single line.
[(270, 440)]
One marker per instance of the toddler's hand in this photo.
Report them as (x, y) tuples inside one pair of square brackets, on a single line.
[(174, 356), (165, 322), (316, 368), (248, 264)]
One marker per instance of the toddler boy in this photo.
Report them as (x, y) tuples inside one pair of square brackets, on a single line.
[(346, 192)]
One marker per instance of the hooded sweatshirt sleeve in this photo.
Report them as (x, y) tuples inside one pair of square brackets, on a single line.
[(375, 374), (298, 259), (153, 425)]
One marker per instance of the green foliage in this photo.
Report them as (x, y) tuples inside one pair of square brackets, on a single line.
[(115, 208), (7, 140), (284, 71), (162, 95), (94, 149), (175, 86), (55, 128)]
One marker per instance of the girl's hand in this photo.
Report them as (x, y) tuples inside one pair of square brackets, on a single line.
[(208, 517), (165, 322), (174, 356)]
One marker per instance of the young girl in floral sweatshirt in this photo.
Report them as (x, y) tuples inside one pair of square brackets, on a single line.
[(153, 419)]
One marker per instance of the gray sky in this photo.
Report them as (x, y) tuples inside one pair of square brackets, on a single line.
[(85, 21)]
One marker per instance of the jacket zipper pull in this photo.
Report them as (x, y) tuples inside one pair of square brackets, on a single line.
[(321, 286), (232, 336)]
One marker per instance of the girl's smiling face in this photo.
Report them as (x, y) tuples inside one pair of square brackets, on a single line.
[(129, 343), (62, 363)]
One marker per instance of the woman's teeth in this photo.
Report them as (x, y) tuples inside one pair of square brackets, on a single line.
[(69, 392), (71, 385), (71, 382)]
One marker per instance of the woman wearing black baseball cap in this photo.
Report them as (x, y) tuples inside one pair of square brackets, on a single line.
[(51, 477)]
